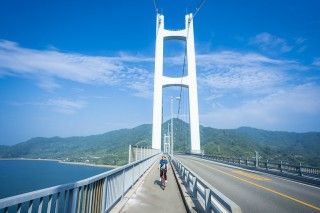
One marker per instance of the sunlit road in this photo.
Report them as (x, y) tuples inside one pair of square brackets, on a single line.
[(256, 192)]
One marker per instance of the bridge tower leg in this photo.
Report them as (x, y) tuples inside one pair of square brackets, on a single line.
[(189, 81)]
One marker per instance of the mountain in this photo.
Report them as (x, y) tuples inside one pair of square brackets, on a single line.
[(112, 147), (272, 145), (107, 148)]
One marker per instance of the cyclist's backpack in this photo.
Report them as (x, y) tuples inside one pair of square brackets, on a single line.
[(163, 165)]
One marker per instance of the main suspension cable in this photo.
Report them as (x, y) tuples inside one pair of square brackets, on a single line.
[(199, 8), (155, 6)]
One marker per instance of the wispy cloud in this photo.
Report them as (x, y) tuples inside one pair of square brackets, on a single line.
[(287, 108), (60, 105), (274, 92), (316, 62), (47, 84), (65, 106), (47, 65), (268, 42), (244, 71), (224, 69), (250, 89)]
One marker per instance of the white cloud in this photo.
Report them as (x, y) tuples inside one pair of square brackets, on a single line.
[(50, 64), (65, 106), (269, 42), (288, 108), (76, 67), (220, 73), (61, 105), (243, 71), (217, 70), (316, 62), (47, 84), (249, 89)]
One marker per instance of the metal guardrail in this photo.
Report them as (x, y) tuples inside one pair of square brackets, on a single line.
[(95, 194), (209, 197), (138, 152), (298, 170)]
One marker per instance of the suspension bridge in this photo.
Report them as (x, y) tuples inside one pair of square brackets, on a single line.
[(197, 182)]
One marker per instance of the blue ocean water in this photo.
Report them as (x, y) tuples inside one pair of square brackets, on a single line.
[(20, 176)]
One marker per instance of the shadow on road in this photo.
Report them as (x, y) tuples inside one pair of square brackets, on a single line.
[(159, 184)]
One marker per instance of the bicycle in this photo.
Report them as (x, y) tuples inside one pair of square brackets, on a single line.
[(163, 179)]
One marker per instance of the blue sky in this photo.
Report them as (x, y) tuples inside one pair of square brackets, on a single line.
[(86, 67)]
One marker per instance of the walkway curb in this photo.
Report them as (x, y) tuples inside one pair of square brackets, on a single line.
[(187, 199)]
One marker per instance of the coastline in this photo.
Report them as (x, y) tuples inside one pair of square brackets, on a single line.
[(40, 159), (88, 164), (64, 162)]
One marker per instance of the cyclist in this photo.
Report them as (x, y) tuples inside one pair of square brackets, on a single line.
[(163, 168)]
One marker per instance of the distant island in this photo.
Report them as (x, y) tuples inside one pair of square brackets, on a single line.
[(111, 148)]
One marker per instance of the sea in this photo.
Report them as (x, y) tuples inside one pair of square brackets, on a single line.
[(21, 176)]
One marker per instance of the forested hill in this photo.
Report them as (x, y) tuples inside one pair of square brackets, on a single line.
[(112, 147), (107, 148)]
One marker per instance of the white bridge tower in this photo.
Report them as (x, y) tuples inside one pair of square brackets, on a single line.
[(189, 81)]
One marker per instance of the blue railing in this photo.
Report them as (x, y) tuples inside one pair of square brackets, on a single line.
[(95, 194)]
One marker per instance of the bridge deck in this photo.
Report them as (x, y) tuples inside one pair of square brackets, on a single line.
[(256, 192), (150, 197)]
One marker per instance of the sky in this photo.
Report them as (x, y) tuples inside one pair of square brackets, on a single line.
[(71, 68)]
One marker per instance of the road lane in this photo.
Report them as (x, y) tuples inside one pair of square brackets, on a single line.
[(256, 192)]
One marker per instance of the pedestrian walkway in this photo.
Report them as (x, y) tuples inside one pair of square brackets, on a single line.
[(150, 197)]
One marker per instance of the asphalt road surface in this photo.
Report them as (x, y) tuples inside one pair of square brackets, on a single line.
[(254, 191)]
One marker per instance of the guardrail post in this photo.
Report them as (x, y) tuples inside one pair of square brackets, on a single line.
[(130, 154), (132, 176), (194, 187), (300, 170), (135, 154), (140, 172), (73, 198), (30, 206), (207, 199), (57, 205), (186, 177), (66, 200), (280, 166), (40, 205), (257, 159), (140, 153), (123, 180), (104, 195), (144, 152), (90, 196), (49, 206)]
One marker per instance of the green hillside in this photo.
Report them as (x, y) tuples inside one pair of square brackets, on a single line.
[(108, 148), (112, 147)]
